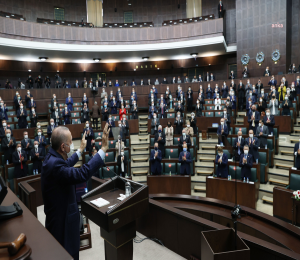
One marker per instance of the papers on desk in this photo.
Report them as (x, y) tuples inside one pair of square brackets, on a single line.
[(230, 160), (251, 182), (294, 168), (122, 197), (210, 177), (100, 202)]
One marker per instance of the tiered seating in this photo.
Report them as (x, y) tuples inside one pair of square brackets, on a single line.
[(12, 16), (129, 25), (188, 20), (65, 23)]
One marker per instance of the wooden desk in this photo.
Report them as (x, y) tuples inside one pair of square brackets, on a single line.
[(43, 244), (295, 211), (169, 184), (222, 189)]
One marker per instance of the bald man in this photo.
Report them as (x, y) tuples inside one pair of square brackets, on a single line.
[(58, 180)]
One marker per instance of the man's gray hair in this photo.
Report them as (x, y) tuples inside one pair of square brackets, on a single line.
[(59, 136)]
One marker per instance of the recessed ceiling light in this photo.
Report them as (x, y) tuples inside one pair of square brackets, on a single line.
[(134, 69), (209, 64), (194, 55), (96, 59), (43, 58), (145, 58), (29, 70), (157, 68)]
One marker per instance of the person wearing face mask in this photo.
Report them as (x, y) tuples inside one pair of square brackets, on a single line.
[(152, 110), (84, 83), (216, 92), (66, 114), (160, 138), (8, 145), (164, 81), (59, 174), (85, 99), (200, 99), (253, 144), (41, 140), (21, 115), (262, 133), (198, 109), (132, 83), (3, 111), (272, 82), (29, 81), (230, 104), (239, 143), (162, 110), (121, 102), (103, 95), (222, 131), (19, 159), (89, 135), (50, 129), (248, 88), (178, 80), (246, 163), (233, 86), (284, 82), (47, 82), (189, 130), (245, 72), (132, 100), (167, 97), (155, 160), (33, 117), (85, 114), (251, 97), (200, 78), (154, 124), (227, 118), (261, 106), (253, 118), (297, 155), (105, 112), (180, 105), (17, 101), (263, 96), (217, 102), (120, 145), (133, 93), (28, 98), (117, 84), (184, 139), (122, 111), (194, 79), (267, 72), (286, 105), (185, 159), (3, 128), (38, 126), (156, 82), (212, 77), (142, 82), (95, 114), (293, 92), (26, 144), (186, 79), (273, 105), (39, 82), (32, 104), (111, 124), (169, 132), (58, 81), (124, 128), (69, 102), (189, 95), (54, 102), (122, 164), (221, 161), (231, 75), (281, 92), (193, 123), (297, 84), (209, 92), (37, 157), (55, 116), (249, 106), (241, 95), (224, 90), (259, 86), (113, 106), (179, 124)]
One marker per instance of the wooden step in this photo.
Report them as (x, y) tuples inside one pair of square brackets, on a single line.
[(140, 172), (200, 188), (143, 117), (143, 138), (140, 159), (277, 181), (208, 147), (267, 199), (239, 119), (204, 172), (140, 148), (144, 130), (297, 130), (206, 159), (282, 165), (294, 140), (286, 152)]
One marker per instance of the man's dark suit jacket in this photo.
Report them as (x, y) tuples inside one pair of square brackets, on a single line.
[(297, 159), (271, 124), (187, 140), (37, 161), (119, 164), (2, 132), (24, 145), (58, 180), (155, 162), (253, 148), (18, 172), (8, 150), (185, 165), (246, 168)]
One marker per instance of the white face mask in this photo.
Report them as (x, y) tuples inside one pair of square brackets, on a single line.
[(8, 135), (36, 146), (251, 135), (39, 133), (246, 152), (222, 123), (52, 123), (259, 124), (25, 136), (120, 125), (220, 154), (4, 124), (69, 154), (87, 125), (267, 114), (154, 117), (21, 107), (188, 125), (56, 110), (19, 149)]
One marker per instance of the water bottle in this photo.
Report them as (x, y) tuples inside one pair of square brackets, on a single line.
[(244, 180), (170, 173), (228, 177), (247, 180), (127, 189), (7, 163), (169, 157), (126, 176), (86, 190), (266, 146), (64, 123)]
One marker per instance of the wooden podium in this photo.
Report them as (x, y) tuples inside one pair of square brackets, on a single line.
[(117, 224)]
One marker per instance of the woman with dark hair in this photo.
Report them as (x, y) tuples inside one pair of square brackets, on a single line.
[(169, 132)]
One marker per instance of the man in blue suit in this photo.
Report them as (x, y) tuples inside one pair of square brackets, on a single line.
[(32, 104), (297, 154), (273, 81), (28, 99), (185, 159), (155, 160), (221, 161), (222, 131), (58, 180), (66, 115), (253, 118), (246, 163), (269, 121), (111, 124), (239, 143), (208, 92), (41, 140), (22, 117), (69, 102), (253, 144), (50, 129)]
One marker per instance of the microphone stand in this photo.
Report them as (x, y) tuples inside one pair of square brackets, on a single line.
[(116, 175)]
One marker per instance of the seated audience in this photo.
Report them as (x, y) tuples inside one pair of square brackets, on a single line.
[(221, 161), (156, 82), (19, 159)]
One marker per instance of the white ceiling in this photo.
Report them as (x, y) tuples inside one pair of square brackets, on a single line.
[(31, 51)]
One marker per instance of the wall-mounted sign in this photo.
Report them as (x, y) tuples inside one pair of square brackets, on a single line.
[(277, 25)]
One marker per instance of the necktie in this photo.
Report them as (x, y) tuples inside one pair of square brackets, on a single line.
[(239, 150), (36, 150), (261, 129), (21, 161)]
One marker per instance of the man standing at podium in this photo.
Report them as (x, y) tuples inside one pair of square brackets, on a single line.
[(58, 180)]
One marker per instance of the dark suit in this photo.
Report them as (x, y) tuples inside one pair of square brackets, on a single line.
[(256, 120), (179, 124), (220, 134), (66, 115), (8, 150), (198, 111), (161, 143), (222, 170), (42, 142), (238, 150), (111, 124), (105, 114), (194, 124), (119, 165), (271, 124), (220, 10), (50, 129), (89, 137), (228, 121), (262, 138), (134, 112), (124, 130), (2, 131), (22, 121), (154, 126), (25, 148), (185, 165), (246, 168), (21, 170), (273, 83), (85, 115), (56, 120), (86, 100), (155, 163), (58, 180), (187, 140), (28, 100), (253, 148), (297, 159), (241, 95), (37, 161)]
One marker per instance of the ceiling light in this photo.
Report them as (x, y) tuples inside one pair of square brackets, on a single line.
[(43, 58), (157, 68), (134, 69), (129, 3), (194, 55), (12, 15), (7, 16), (96, 59), (209, 64), (145, 58), (29, 70)]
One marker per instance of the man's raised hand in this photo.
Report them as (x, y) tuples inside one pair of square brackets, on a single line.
[(105, 138), (83, 143)]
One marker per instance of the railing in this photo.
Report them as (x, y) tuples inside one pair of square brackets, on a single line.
[(188, 20)]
